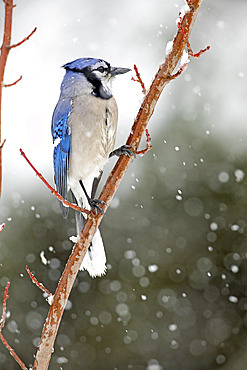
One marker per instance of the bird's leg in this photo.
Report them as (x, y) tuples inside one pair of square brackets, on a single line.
[(123, 150), (94, 203), (95, 184)]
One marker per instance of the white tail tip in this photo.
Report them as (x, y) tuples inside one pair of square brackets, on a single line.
[(94, 261)]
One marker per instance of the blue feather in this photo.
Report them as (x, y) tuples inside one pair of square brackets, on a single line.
[(61, 155), (81, 63)]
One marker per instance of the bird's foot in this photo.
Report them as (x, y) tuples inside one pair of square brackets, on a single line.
[(123, 150), (95, 205)]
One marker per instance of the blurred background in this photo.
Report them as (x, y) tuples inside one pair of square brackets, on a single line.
[(174, 296)]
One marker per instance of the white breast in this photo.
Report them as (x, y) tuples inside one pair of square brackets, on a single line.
[(93, 124)]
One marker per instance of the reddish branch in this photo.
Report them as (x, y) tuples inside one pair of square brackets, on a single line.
[(13, 83), (3, 319), (37, 283), (5, 48), (186, 39), (148, 144), (65, 202), (180, 70), (139, 79), (162, 78), (190, 3), (2, 144), (25, 39), (5, 297)]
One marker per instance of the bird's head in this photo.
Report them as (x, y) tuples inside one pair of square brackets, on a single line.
[(98, 73)]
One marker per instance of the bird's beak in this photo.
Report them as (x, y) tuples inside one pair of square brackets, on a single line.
[(118, 71)]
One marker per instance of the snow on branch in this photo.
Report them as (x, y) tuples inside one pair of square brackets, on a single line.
[(186, 39)]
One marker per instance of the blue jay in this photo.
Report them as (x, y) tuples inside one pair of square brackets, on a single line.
[(84, 127)]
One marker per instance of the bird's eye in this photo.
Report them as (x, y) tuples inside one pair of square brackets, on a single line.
[(101, 69)]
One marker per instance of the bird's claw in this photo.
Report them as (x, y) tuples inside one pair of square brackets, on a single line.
[(94, 204), (123, 150)]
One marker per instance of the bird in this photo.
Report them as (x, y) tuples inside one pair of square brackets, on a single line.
[(84, 125)]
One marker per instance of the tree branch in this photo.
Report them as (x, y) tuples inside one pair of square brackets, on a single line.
[(162, 78), (37, 283), (5, 48), (13, 83), (148, 145), (59, 197), (24, 40), (139, 79), (3, 319)]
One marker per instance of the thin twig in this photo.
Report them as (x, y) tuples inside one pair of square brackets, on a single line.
[(5, 297), (13, 83), (148, 144), (64, 201), (197, 55), (139, 79), (180, 70), (186, 39), (37, 283), (24, 40), (1, 146), (93, 220), (3, 319)]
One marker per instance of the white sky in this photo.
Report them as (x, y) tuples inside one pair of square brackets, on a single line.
[(123, 33)]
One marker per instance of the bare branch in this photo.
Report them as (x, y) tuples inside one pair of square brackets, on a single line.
[(3, 319), (5, 297), (13, 83), (1, 145), (148, 144), (65, 202), (139, 79), (186, 39), (37, 283), (197, 55), (24, 40)]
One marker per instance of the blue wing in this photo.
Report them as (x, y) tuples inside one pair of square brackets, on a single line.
[(62, 141)]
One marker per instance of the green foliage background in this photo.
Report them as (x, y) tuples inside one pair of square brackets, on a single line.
[(175, 293)]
